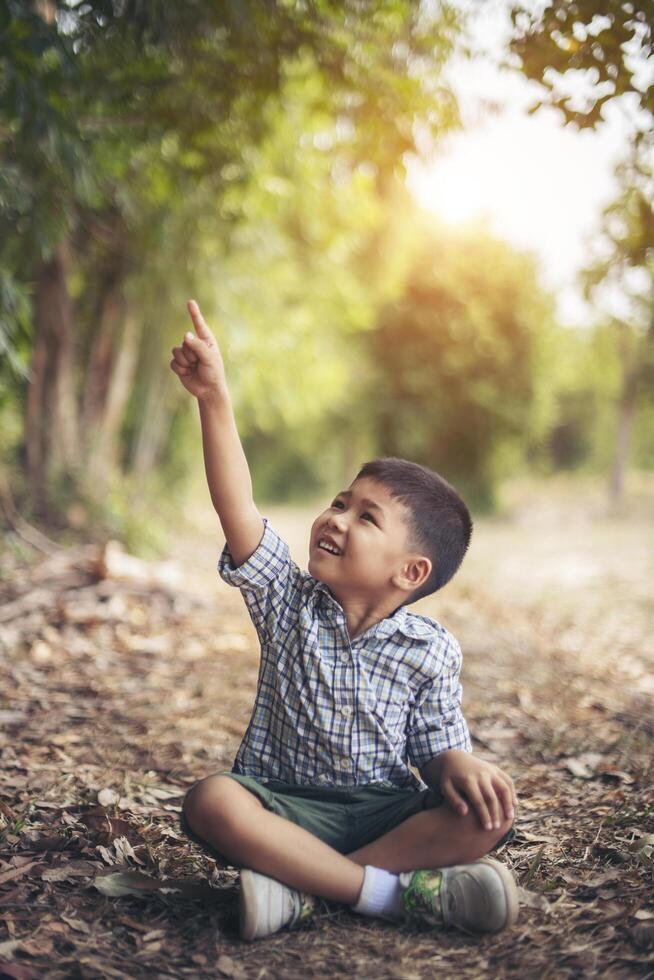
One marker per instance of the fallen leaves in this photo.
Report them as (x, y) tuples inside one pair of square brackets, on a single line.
[(229, 967), (120, 693), (136, 883), (582, 766), (11, 874), (106, 797), (534, 900), (69, 871), (642, 934), (643, 847)]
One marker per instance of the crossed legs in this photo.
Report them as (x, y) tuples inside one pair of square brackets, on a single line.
[(233, 821)]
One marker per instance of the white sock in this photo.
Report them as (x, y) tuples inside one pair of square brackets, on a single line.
[(380, 895)]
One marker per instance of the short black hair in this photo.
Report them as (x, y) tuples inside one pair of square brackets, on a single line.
[(440, 523)]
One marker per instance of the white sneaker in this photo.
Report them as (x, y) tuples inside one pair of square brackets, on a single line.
[(265, 906)]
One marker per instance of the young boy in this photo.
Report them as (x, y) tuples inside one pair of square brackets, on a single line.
[(352, 689)]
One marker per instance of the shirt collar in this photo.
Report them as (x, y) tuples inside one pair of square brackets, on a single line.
[(415, 627)]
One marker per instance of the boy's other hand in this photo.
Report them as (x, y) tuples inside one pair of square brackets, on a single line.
[(198, 362), (470, 782)]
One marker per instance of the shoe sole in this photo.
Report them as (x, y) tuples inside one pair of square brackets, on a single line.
[(247, 905), (510, 890)]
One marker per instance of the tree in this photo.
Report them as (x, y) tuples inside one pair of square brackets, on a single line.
[(608, 47), (607, 44), (627, 263), (118, 119), (461, 360)]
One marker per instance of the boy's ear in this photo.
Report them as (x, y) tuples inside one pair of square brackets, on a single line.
[(414, 572)]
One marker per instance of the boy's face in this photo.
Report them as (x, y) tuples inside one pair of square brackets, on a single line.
[(370, 529)]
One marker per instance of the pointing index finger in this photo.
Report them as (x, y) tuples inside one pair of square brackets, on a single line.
[(201, 328)]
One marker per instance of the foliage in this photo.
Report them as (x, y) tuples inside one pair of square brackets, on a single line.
[(169, 145), (586, 383), (588, 55), (603, 45), (461, 362)]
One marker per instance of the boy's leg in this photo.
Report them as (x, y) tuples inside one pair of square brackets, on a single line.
[(233, 821), (435, 838)]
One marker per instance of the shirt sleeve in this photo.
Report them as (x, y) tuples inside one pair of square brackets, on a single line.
[(436, 722), (269, 580)]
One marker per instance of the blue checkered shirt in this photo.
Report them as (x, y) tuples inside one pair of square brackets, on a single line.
[(332, 711)]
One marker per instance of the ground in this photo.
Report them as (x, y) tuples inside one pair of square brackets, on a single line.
[(123, 683)]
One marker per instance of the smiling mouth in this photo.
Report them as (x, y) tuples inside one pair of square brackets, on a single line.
[(329, 548)]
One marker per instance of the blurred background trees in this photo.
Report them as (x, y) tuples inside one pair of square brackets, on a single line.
[(462, 363), (611, 48), (252, 155)]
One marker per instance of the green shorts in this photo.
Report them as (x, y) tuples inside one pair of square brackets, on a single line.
[(346, 818)]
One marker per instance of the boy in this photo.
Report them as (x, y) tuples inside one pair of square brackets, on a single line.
[(352, 688)]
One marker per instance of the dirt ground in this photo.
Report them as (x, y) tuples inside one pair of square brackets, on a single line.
[(122, 683)]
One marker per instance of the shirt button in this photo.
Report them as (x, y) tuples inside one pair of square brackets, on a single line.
[(345, 710), (345, 658), (346, 765)]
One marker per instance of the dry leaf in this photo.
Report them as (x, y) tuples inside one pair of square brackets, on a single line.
[(533, 900), (12, 873), (643, 847), (117, 564), (124, 850), (33, 841), (229, 967), (69, 871), (77, 924), (7, 812), (106, 827), (16, 971), (108, 856), (643, 934), (8, 717), (582, 766), (538, 838), (617, 774), (107, 797), (126, 883), (123, 883), (7, 948)]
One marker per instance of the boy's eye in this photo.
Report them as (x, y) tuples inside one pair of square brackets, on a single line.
[(366, 514)]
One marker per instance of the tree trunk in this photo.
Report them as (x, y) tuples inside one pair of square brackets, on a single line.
[(626, 411), (51, 430), (103, 455), (152, 431), (106, 328)]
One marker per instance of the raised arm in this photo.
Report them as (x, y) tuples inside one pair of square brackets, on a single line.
[(199, 366)]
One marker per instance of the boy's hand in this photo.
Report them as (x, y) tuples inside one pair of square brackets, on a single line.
[(467, 781), (198, 363)]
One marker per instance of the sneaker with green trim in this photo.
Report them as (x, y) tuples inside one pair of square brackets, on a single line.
[(265, 906), (477, 897)]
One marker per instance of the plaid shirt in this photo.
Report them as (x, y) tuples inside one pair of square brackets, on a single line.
[(332, 711)]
